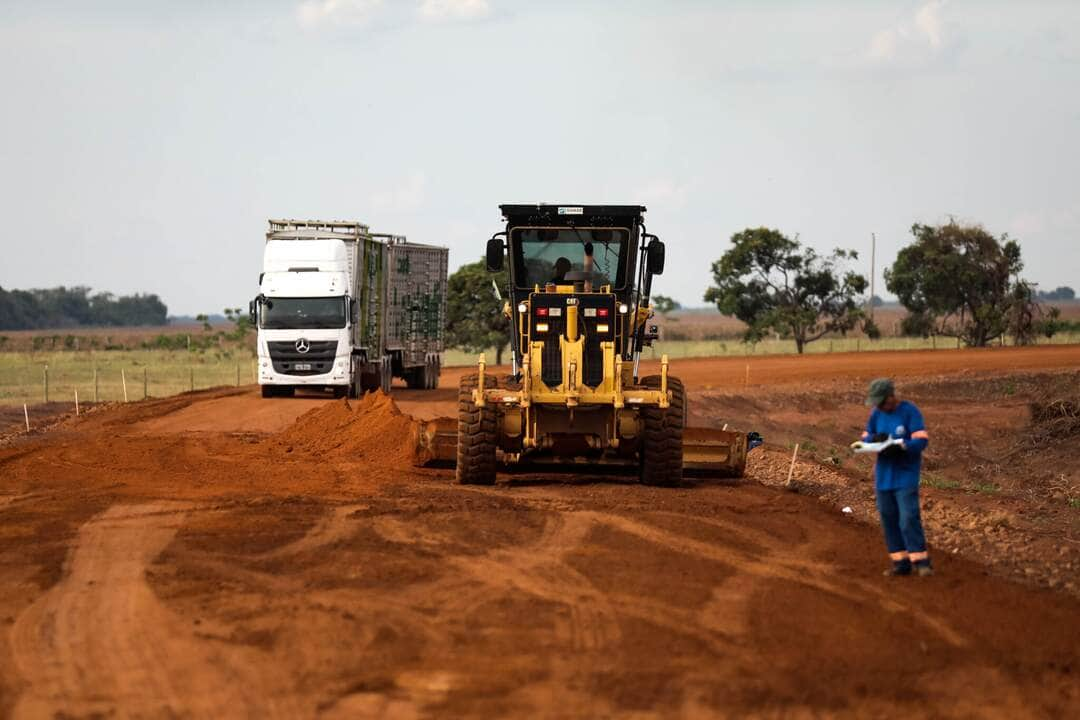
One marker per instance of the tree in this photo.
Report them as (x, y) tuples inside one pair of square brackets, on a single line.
[(960, 281), (664, 305), (771, 282), (71, 307), (241, 324), (474, 316), (1060, 293)]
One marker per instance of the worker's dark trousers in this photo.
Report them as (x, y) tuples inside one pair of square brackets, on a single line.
[(900, 520)]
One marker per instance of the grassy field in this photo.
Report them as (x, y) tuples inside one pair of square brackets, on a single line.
[(159, 373), (734, 347)]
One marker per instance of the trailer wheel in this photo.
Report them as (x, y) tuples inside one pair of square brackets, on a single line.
[(416, 378), (436, 368), (386, 375), (476, 437), (661, 442)]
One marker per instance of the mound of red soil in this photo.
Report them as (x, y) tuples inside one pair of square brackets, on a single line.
[(371, 429)]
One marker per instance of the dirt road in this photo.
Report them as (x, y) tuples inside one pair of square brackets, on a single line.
[(218, 554)]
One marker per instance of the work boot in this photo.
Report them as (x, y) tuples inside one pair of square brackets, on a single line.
[(899, 567), (923, 569)]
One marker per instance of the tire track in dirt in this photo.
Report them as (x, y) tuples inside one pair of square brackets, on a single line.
[(101, 642), (537, 568), (785, 568)]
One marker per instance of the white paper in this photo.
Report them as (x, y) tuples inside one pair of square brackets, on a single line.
[(876, 447)]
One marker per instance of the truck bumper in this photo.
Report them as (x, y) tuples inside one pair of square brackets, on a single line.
[(339, 376)]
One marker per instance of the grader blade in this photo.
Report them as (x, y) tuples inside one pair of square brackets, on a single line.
[(435, 441), (710, 452)]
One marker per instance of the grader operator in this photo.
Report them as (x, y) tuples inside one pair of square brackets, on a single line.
[(580, 280)]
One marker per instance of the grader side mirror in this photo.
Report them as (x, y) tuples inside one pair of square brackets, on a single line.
[(655, 254), (494, 255)]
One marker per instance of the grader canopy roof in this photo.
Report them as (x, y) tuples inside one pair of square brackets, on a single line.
[(573, 215)]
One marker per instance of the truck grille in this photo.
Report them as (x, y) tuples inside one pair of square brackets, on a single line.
[(592, 357), (319, 358), (592, 371), (551, 358)]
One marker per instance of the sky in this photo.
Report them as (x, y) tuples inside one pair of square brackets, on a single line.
[(144, 143)]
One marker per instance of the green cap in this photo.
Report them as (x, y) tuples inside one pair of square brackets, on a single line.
[(880, 389)]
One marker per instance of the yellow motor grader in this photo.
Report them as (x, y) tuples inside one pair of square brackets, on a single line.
[(580, 280)]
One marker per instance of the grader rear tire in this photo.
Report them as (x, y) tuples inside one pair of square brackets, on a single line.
[(661, 442), (476, 436)]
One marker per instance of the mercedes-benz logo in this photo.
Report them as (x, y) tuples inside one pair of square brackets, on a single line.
[(303, 345)]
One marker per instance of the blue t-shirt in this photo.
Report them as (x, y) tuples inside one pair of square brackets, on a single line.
[(906, 422)]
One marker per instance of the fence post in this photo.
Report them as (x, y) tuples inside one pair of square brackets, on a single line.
[(95, 384), (145, 382), (791, 470), (123, 381), (191, 378), (237, 374), (76, 402), (46, 383), (26, 416)]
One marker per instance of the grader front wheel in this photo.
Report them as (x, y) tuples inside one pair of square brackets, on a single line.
[(476, 436), (661, 443)]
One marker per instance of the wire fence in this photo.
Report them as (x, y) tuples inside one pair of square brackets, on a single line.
[(106, 376), (33, 378)]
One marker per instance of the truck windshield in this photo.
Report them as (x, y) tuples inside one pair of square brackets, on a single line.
[(302, 313), (543, 255)]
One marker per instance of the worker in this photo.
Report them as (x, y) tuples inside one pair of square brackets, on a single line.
[(896, 476), (562, 266)]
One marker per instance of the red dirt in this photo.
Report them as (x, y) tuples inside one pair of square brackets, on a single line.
[(171, 557)]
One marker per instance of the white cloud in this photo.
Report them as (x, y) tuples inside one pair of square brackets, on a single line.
[(405, 197), (315, 13), (912, 38), (445, 10), (928, 22)]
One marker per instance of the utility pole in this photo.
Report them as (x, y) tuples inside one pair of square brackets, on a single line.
[(873, 270)]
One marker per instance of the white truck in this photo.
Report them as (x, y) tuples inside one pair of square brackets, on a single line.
[(346, 310)]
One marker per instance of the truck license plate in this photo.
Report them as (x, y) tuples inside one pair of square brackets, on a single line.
[(302, 366)]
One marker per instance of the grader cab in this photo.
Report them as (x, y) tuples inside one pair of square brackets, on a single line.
[(580, 281)]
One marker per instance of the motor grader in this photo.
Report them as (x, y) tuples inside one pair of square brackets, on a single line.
[(578, 304)]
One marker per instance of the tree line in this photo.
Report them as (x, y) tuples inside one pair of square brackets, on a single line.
[(954, 280), (64, 307)]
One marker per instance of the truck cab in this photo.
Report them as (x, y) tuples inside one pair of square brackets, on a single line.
[(344, 309), (304, 313)]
